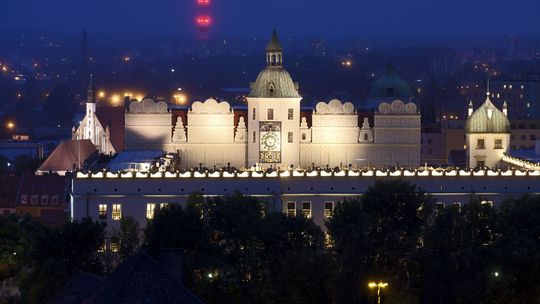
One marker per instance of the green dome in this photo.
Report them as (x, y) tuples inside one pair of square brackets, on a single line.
[(482, 121), (274, 83), (390, 85)]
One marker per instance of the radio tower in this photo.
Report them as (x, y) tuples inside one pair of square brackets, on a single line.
[(203, 21)]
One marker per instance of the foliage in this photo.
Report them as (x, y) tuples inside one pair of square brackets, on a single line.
[(129, 236)]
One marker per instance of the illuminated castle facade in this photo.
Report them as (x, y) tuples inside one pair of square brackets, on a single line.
[(273, 132)]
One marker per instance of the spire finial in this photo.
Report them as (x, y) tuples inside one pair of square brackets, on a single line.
[(487, 88)]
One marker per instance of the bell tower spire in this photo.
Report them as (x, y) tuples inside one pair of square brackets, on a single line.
[(90, 92), (274, 52)]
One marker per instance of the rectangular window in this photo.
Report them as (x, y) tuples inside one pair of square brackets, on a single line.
[(150, 209), (116, 212), (163, 205), (290, 114), (270, 114), (328, 209), (457, 206), (291, 208), (253, 114), (290, 137), (498, 143), (102, 211), (439, 208), (254, 136), (306, 209), (487, 203), (115, 244), (480, 144)]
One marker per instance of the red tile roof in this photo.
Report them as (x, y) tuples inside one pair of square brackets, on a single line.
[(113, 117)]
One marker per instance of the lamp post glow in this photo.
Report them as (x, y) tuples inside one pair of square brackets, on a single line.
[(379, 286)]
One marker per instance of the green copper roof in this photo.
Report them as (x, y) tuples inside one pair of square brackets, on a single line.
[(390, 85), (274, 83), (481, 122)]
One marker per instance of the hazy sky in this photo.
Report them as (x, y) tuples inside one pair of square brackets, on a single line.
[(293, 17)]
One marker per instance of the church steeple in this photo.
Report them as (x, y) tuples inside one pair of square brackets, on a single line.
[(274, 52), (90, 91)]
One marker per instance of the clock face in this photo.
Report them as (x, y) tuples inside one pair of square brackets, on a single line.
[(270, 141)]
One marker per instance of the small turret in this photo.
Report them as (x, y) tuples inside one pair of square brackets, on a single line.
[(274, 52), (471, 110), (505, 109)]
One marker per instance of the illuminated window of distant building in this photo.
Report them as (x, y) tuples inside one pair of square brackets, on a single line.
[(163, 205), (290, 137), (306, 209), (456, 206), (254, 113), (487, 203), (510, 86), (291, 208), (522, 87), (439, 208), (102, 246), (290, 114), (328, 209), (150, 209), (115, 244), (54, 200), (498, 143), (504, 86), (270, 114), (102, 211), (24, 199), (44, 199), (480, 144), (34, 199), (116, 212)]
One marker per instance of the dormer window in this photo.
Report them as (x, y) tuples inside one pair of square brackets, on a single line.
[(271, 88)]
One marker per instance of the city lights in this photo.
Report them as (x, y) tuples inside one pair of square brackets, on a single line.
[(379, 286), (101, 94), (180, 98), (10, 125)]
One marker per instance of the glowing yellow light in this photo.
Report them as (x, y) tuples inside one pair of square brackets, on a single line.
[(4, 68), (127, 94), (139, 97), (378, 285), (10, 125), (180, 98), (101, 94), (115, 98)]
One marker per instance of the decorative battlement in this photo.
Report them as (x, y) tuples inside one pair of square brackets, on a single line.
[(437, 172)]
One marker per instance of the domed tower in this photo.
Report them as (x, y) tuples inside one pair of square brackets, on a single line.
[(487, 135), (274, 114), (387, 88)]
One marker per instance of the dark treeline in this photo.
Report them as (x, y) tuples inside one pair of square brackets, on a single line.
[(237, 251)]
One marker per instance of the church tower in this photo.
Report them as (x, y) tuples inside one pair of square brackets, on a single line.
[(274, 114), (90, 128)]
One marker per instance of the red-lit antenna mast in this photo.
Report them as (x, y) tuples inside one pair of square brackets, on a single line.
[(203, 21)]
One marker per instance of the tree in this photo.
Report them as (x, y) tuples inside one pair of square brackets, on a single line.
[(60, 107), (129, 236), (377, 237)]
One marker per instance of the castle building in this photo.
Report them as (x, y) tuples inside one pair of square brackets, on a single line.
[(487, 135), (273, 132)]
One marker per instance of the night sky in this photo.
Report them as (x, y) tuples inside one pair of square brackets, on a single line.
[(339, 18)]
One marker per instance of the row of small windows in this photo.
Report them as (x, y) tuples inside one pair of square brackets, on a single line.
[(270, 114), (524, 137), (43, 200), (306, 209), (117, 211), (481, 144)]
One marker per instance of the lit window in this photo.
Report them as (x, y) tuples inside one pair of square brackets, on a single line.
[(270, 114), (487, 203), (439, 208), (163, 205), (457, 206), (115, 244), (498, 143), (116, 212), (102, 211), (328, 209), (290, 137), (290, 114), (150, 209), (291, 208), (306, 209), (480, 144)]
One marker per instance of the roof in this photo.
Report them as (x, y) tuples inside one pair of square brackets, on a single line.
[(274, 83), (44, 185), (113, 117), (139, 279), (78, 290), (274, 45), (390, 85), (487, 119), (67, 155)]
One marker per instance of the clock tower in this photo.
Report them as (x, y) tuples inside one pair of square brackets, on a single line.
[(274, 114)]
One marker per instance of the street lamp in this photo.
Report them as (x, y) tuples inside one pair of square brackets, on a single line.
[(379, 286)]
